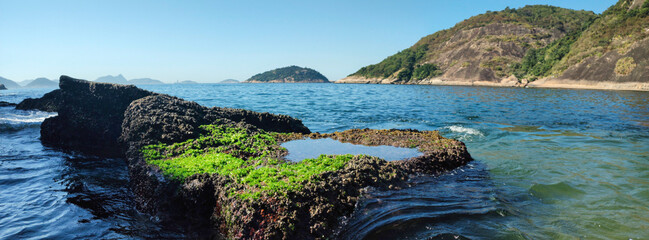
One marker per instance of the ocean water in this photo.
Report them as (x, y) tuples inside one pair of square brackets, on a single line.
[(549, 164)]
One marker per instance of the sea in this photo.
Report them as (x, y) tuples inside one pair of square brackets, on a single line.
[(549, 164)]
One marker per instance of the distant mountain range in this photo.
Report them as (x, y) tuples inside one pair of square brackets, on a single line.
[(41, 83), (34, 83), (8, 83)]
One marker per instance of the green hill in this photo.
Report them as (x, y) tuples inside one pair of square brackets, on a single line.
[(483, 47), (513, 46), (291, 74)]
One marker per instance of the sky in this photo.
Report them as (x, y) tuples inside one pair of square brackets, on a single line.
[(208, 41)]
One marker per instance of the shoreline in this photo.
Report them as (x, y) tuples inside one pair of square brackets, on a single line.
[(550, 83)]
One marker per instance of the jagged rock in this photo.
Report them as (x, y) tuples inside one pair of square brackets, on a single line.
[(50, 102), (89, 117)]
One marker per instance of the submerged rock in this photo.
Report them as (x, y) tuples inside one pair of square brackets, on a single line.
[(6, 104), (221, 172)]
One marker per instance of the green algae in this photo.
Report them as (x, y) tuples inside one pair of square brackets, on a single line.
[(247, 158)]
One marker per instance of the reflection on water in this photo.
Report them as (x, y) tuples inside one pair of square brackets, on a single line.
[(299, 150)]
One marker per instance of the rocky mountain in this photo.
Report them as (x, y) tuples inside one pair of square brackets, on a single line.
[(145, 81), (8, 83), (230, 81), (515, 46), (613, 52), (119, 79), (291, 74), (42, 83)]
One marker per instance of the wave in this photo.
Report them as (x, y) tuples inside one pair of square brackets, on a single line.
[(464, 133), (12, 119)]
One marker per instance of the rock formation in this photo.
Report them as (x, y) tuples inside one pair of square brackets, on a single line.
[(240, 187)]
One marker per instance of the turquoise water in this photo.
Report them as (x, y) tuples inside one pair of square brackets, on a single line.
[(550, 164)]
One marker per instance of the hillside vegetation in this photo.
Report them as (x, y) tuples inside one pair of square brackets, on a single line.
[(530, 43), (428, 53)]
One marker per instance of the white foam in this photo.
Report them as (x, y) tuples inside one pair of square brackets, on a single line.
[(465, 130), (18, 117), (465, 133)]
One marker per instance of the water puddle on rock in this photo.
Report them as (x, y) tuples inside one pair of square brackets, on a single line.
[(299, 150)]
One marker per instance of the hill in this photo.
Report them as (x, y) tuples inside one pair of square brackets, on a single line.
[(230, 81), (291, 74), (613, 52), (8, 83), (42, 83), (145, 81), (514, 46), (119, 79)]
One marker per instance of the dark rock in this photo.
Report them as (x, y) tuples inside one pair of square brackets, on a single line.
[(90, 115), (2, 87), (50, 102), (6, 104), (167, 119)]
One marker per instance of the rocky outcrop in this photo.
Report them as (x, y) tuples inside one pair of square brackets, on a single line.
[(118, 120), (50, 102), (2, 87), (89, 116)]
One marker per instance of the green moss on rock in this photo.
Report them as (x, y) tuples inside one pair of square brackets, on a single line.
[(250, 159)]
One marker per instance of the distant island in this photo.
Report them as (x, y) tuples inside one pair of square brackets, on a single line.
[(230, 81), (41, 83), (537, 46), (291, 74), (9, 84), (120, 79), (145, 81), (2, 87), (187, 82)]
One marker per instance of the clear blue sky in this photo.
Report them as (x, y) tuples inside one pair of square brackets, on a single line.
[(214, 40)]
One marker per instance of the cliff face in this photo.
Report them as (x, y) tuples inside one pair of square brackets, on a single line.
[(513, 47), (291, 74)]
